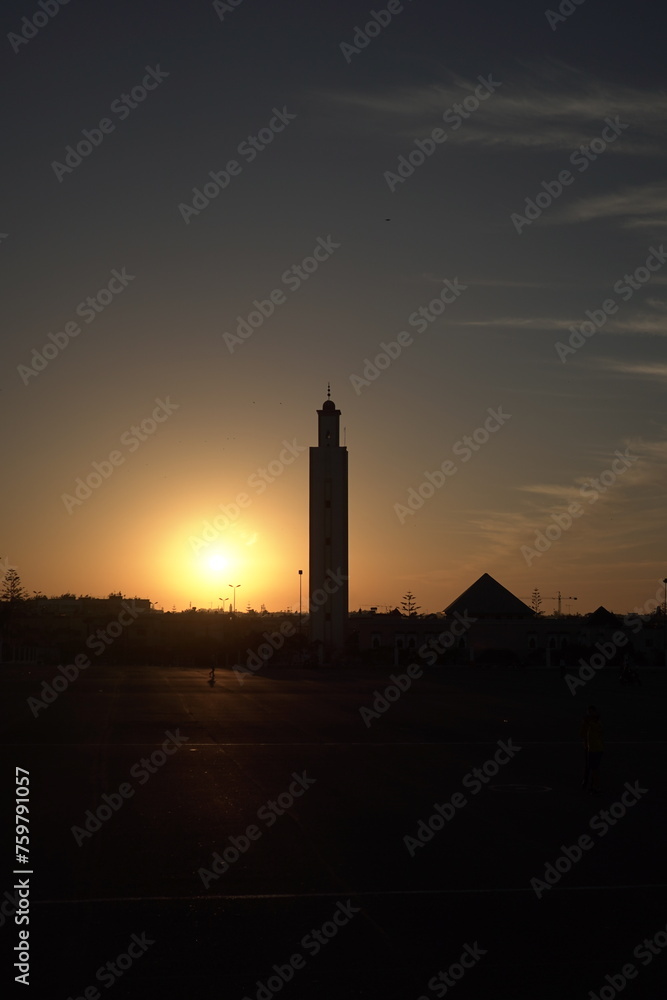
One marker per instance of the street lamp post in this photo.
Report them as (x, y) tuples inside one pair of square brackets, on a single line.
[(300, 628), (234, 587)]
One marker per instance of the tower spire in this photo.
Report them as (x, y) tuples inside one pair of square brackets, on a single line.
[(328, 555)]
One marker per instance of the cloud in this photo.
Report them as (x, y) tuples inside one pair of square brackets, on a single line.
[(562, 493), (522, 322), (433, 279), (651, 370), (511, 283), (627, 514), (553, 107), (656, 224), (639, 205), (641, 323)]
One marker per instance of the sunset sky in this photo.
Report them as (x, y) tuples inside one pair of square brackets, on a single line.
[(335, 173)]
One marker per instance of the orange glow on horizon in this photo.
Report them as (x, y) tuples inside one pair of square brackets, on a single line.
[(202, 569)]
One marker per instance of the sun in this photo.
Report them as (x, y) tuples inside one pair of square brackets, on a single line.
[(217, 561)]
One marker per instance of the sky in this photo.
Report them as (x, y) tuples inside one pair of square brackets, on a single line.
[(210, 211)]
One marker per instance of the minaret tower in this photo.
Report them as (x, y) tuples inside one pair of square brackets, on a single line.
[(328, 580)]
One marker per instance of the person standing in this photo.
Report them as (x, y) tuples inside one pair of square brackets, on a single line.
[(591, 734)]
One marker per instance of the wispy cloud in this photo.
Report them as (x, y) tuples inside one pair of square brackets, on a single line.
[(552, 107), (639, 205), (528, 323), (510, 283), (554, 491), (609, 521), (435, 279), (643, 323), (651, 370)]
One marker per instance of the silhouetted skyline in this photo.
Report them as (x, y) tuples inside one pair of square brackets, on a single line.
[(455, 217)]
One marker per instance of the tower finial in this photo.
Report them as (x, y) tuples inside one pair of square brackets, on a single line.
[(328, 390)]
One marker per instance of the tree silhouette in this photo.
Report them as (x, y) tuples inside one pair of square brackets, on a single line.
[(536, 601), (408, 604), (12, 589)]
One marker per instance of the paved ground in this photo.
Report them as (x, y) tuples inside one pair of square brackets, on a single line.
[(390, 913)]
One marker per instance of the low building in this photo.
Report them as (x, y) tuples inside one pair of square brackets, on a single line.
[(488, 626)]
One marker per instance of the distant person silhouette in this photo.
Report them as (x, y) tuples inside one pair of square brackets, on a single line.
[(211, 676), (591, 734), (629, 673)]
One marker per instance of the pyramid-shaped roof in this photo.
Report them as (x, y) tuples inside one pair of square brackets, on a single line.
[(602, 617), (487, 598)]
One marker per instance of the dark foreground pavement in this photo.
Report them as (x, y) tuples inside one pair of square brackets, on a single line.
[(261, 839)]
